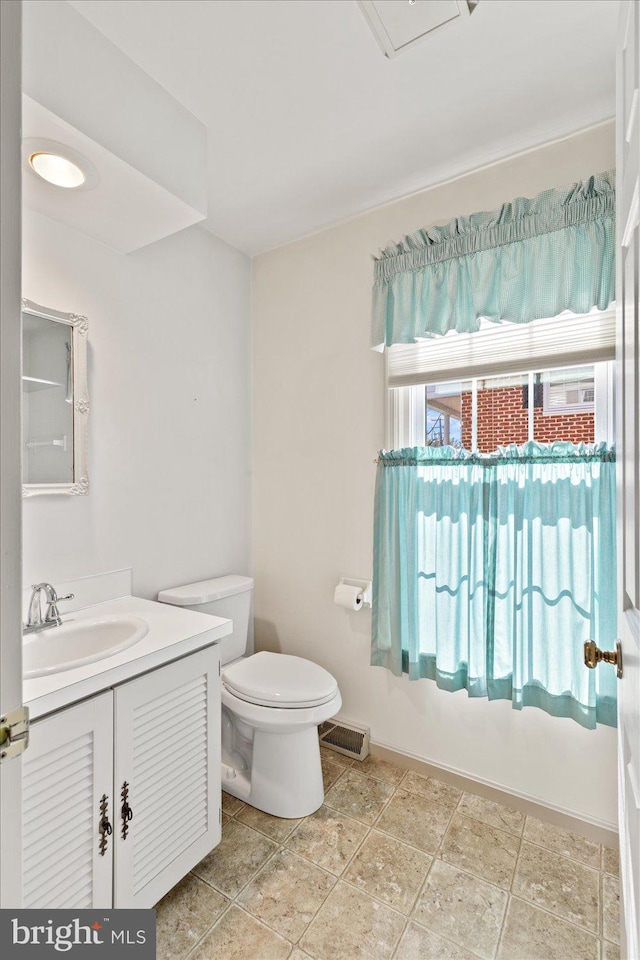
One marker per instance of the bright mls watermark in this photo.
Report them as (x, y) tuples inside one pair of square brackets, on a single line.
[(104, 933)]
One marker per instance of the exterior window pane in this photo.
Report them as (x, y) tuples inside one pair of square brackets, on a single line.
[(567, 410), (446, 406), (491, 412), (503, 411)]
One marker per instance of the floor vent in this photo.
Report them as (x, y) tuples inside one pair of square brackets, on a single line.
[(346, 738)]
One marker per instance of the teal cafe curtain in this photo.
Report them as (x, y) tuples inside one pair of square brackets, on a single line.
[(490, 572), (531, 258)]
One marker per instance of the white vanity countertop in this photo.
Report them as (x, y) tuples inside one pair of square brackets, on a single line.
[(173, 632)]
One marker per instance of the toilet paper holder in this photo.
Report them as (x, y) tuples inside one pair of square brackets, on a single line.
[(364, 585)]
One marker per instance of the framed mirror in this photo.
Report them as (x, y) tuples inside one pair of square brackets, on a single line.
[(55, 401)]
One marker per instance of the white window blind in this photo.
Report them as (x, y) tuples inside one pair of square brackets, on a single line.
[(568, 391), (504, 348)]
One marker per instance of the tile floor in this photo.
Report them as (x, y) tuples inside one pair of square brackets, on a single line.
[(393, 865)]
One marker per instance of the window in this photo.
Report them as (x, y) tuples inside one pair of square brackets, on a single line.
[(504, 558), (485, 413), (444, 414), (515, 392), (569, 391)]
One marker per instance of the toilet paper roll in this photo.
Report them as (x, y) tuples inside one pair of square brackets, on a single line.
[(348, 597)]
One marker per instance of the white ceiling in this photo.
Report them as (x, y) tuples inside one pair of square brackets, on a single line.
[(309, 123)]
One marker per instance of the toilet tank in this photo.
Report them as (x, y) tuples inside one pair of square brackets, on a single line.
[(228, 597)]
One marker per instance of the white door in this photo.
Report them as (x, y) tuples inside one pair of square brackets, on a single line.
[(10, 480), (67, 796), (628, 418), (167, 776)]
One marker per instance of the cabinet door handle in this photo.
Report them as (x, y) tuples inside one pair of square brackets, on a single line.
[(126, 813), (104, 826)]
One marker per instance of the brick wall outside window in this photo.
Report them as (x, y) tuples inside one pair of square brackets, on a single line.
[(502, 420)]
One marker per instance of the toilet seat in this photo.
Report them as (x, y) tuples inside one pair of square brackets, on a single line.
[(277, 720), (279, 680)]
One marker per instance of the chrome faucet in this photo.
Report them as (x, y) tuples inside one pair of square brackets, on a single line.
[(35, 620)]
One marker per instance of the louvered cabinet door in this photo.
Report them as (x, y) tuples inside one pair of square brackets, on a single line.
[(67, 770), (167, 763)]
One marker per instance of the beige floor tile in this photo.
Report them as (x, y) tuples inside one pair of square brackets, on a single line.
[(380, 769), (327, 838), (535, 935), (231, 805), (298, 954), (495, 814), (481, 849), (431, 789), (240, 854), (274, 827), (610, 908), (358, 796), (330, 772), (415, 820), (184, 915), (225, 818), (565, 887), (610, 951), (389, 870), (335, 757), (241, 937), (352, 926), (462, 908), (611, 861), (418, 943), (561, 841), (287, 893)]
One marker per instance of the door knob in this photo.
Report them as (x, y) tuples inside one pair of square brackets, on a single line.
[(593, 655)]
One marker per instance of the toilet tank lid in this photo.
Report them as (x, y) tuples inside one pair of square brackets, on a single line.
[(204, 591)]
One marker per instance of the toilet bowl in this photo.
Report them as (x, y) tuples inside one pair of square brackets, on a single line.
[(272, 704)]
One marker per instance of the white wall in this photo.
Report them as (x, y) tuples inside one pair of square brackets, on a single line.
[(169, 388), (318, 422)]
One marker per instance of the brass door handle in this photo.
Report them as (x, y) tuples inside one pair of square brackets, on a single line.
[(593, 655)]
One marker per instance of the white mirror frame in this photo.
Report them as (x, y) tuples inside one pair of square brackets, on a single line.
[(80, 328)]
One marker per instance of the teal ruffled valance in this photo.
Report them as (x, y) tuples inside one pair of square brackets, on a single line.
[(530, 259)]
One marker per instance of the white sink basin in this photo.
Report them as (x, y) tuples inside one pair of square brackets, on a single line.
[(79, 641)]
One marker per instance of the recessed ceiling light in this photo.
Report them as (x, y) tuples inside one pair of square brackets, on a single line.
[(57, 170), (58, 164)]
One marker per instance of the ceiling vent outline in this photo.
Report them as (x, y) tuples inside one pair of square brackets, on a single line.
[(400, 24)]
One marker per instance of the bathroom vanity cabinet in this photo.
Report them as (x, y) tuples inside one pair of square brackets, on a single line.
[(122, 791)]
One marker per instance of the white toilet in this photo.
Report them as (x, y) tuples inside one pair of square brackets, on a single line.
[(272, 704)]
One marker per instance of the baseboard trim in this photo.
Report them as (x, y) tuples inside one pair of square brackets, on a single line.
[(599, 831)]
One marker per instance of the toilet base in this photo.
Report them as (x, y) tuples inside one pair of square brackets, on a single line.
[(285, 779)]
